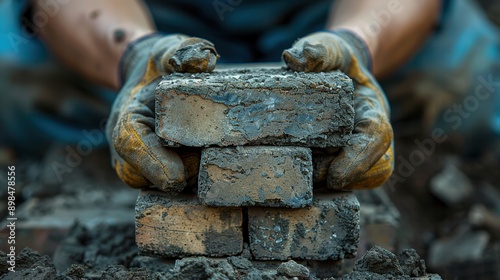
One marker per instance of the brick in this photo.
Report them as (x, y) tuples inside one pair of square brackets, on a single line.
[(180, 226), (255, 107), (328, 230), (256, 176)]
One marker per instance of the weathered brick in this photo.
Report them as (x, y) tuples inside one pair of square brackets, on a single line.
[(255, 107), (328, 230), (180, 226), (256, 176)]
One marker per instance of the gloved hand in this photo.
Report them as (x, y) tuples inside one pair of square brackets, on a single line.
[(367, 162), (138, 155)]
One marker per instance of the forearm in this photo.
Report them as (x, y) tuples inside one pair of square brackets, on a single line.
[(90, 36), (392, 29)]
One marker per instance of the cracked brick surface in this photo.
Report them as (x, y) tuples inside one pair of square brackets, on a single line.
[(328, 230), (255, 107), (256, 176), (180, 226)]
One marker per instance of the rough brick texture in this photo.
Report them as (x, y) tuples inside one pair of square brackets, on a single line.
[(328, 230), (180, 226), (256, 176), (254, 107)]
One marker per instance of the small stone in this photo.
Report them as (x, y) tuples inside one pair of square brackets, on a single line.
[(465, 245), (411, 263), (451, 185), (240, 263), (482, 217), (379, 260), (293, 269)]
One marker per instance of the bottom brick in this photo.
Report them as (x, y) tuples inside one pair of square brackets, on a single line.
[(328, 230), (179, 226)]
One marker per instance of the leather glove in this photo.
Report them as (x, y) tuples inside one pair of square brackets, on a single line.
[(138, 155), (367, 162)]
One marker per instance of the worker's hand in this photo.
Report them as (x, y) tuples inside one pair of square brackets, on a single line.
[(367, 162), (138, 155)]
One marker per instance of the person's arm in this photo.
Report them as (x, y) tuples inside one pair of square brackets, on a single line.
[(355, 33), (392, 29), (102, 39), (90, 36)]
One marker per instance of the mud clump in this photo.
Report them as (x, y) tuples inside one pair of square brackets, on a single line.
[(120, 272), (27, 259), (29, 265), (76, 271), (379, 260), (411, 264), (202, 268), (42, 273), (379, 264), (97, 249)]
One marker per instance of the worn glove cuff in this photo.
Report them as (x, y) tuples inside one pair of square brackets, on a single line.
[(134, 52), (359, 46)]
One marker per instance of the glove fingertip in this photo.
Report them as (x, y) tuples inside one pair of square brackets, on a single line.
[(292, 61)]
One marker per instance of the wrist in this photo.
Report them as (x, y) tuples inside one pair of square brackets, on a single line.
[(136, 51), (359, 45)]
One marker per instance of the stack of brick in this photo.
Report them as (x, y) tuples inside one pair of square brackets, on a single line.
[(256, 129)]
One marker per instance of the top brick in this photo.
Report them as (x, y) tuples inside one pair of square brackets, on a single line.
[(255, 107)]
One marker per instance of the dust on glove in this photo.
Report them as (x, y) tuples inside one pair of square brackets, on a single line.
[(138, 155), (367, 162)]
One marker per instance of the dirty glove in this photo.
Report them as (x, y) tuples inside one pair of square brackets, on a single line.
[(367, 162), (138, 155)]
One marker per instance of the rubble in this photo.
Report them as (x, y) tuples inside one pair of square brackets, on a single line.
[(124, 266), (411, 263), (451, 185), (481, 217), (92, 196), (465, 245), (97, 248), (202, 268), (379, 260), (29, 265), (486, 267), (489, 196), (255, 107), (380, 264)]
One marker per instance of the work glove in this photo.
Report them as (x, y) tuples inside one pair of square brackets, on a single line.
[(367, 161), (138, 155)]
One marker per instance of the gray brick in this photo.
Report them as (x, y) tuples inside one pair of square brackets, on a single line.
[(328, 230), (180, 226), (256, 176), (255, 107)]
